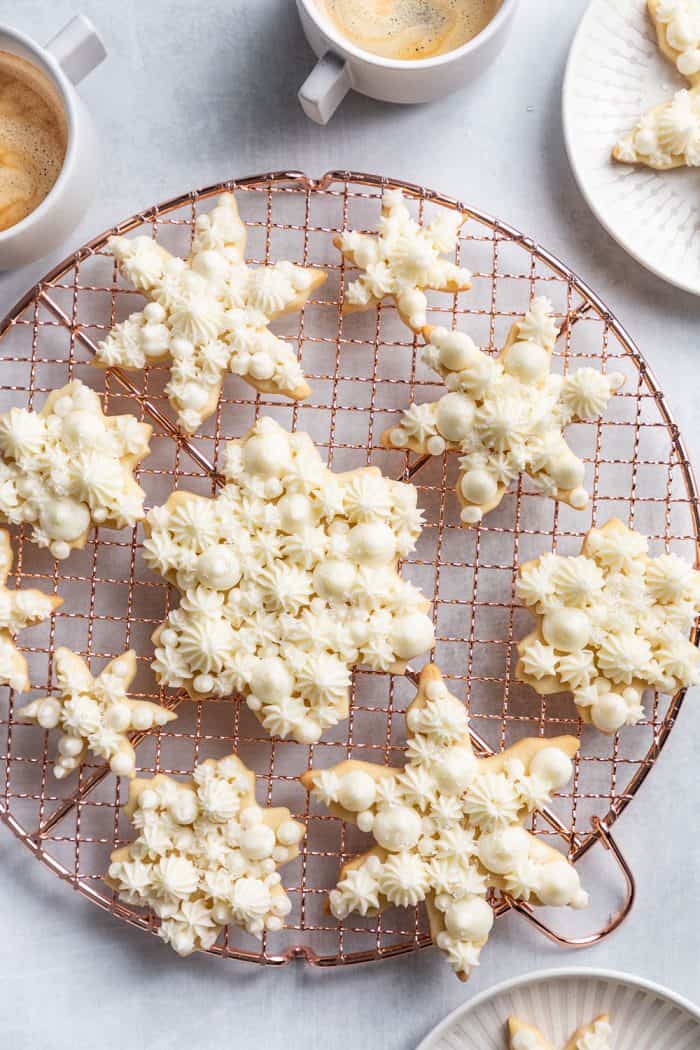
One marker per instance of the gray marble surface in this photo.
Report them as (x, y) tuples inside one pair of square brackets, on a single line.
[(197, 92)]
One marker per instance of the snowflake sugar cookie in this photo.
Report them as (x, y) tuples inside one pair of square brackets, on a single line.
[(210, 314), (18, 609), (610, 623), (402, 260), (288, 579), (593, 1036), (69, 467), (449, 825), (95, 714), (206, 855), (505, 415), (668, 136)]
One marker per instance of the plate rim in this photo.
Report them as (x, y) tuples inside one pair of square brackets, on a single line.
[(566, 103), (552, 974)]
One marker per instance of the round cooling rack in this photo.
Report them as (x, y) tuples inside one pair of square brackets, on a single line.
[(363, 370)]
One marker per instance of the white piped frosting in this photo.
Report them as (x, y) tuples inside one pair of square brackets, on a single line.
[(18, 609), (594, 1036), (610, 623), (288, 579), (206, 855), (94, 714), (210, 314), (505, 415), (69, 467), (448, 826), (402, 260), (668, 136)]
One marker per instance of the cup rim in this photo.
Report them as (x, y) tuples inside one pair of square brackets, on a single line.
[(344, 45), (51, 68)]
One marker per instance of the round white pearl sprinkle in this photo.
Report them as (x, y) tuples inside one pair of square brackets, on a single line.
[(257, 842), (412, 635), (469, 919), (552, 766), (568, 630), (397, 828), (479, 487), (357, 791), (289, 833)]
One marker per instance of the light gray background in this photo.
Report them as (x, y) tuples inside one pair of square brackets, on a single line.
[(195, 92)]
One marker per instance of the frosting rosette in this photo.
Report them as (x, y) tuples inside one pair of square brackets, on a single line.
[(447, 827), (611, 622), (594, 1036), (206, 855), (288, 579)]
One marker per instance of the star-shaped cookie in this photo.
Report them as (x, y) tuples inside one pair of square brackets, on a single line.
[(403, 260), (668, 136), (94, 714), (593, 1036), (69, 467), (210, 314), (505, 415), (611, 623), (449, 825), (288, 579), (206, 855), (18, 609)]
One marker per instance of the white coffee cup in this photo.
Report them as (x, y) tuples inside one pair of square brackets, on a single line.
[(342, 66), (65, 60)]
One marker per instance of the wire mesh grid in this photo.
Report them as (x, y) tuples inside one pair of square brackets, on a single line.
[(363, 369)]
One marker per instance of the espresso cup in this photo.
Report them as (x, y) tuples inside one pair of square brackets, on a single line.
[(342, 66), (64, 61)]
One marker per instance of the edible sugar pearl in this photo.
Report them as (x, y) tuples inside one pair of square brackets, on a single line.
[(118, 717), (258, 842), (267, 454), (412, 635), (397, 828), (372, 544), (479, 487), (218, 567), (567, 629), (469, 919), (552, 766), (455, 417), (271, 680), (557, 884), (289, 833), (357, 791), (502, 851), (609, 713)]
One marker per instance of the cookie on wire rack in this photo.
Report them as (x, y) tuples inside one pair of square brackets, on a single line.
[(206, 855), (403, 260), (505, 415), (18, 609), (448, 826), (288, 578), (611, 623), (593, 1036), (210, 314)]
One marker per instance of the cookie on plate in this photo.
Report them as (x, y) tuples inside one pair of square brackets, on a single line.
[(611, 622), (69, 468), (210, 314), (206, 855), (668, 136), (403, 260), (505, 415), (448, 826), (593, 1036), (95, 714), (288, 579)]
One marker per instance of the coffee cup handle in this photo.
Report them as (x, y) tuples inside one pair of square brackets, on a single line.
[(78, 48), (325, 87)]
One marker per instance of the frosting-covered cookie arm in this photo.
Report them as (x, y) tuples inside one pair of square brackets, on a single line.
[(667, 136), (677, 24), (523, 1036), (594, 1036)]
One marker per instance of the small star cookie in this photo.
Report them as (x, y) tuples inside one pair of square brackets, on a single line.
[(505, 415), (206, 855), (448, 826), (95, 714), (668, 136), (403, 260), (593, 1036), (18, 609), (610, 623), (209, 314), (288, 578), (69, 468)]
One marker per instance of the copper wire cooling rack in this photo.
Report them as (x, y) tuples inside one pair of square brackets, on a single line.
[(363, 370)]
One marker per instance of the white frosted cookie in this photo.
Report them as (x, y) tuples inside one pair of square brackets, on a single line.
[(403, 260), (69, 468), (610, 623), (505, 415), (210, 314), (448, 826), (95, 714), (668, 136), (18, 609), (593, 1036), (288, 579), (206, 855)]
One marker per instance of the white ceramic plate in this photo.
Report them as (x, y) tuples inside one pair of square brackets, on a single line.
[(614, 74), (643, 1015)]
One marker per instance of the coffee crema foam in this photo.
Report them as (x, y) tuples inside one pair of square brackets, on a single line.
[(33, 138), (409, 29)]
